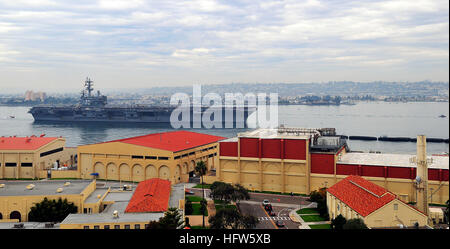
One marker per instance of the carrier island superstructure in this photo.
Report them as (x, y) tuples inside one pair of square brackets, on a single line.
[(94, 108)]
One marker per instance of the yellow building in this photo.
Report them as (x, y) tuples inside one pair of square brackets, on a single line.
[(17, 197), (169, 155), (355, 197), (131, 208), (302, 160), (29, 157)]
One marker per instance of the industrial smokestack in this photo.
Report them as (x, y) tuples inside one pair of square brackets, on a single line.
[(422, 174)]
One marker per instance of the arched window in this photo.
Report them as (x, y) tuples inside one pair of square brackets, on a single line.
[(15, 215), (1, 216)]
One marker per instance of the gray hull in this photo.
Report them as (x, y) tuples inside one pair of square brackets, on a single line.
[(156, 115)]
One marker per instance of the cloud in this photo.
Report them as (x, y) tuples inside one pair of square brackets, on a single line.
[(182, 42)]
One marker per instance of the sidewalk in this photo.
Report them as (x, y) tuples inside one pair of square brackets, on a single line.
[(305, 225)]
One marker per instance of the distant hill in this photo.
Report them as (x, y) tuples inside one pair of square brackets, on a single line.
[(343, 88)]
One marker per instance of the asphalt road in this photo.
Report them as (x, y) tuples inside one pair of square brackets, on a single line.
[(281, 204)]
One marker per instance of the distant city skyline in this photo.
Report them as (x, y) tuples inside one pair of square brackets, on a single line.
[(53, 45)]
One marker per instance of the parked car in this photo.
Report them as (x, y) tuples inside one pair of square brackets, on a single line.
[(268, 207), (189, 192), (265, 202), (279, 223)]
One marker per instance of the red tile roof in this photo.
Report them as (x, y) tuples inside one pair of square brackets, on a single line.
[(363, 196), (151, 195), (172, 141), (24, 143)]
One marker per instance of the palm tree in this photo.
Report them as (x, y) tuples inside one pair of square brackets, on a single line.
[(201, 169)]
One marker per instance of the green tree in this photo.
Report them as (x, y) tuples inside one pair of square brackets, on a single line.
[(320, 197), (172, 220), (51, 211), (240, 193), (355, 223), (222, 191), (338, 223), (203, 207), (228, 218), (201, 169), (188, 209), (446, 211)]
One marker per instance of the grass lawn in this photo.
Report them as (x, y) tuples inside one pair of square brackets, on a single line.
[(219, 202), (321, 226), (194, 198), (205, 186), (312, 218), (196, 207), (218, 207), (308, 211)]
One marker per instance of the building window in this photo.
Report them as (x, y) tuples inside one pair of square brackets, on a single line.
[(10, 164), (150, 157), (116, 226), (147, 226), (395, 206), (137, 157), (192, 153), (338, 207), (177, 157), (137, 226), (127, 226), (106, 227), (86, 227), (26, 164), (163, 158), (96, 227), (51, 152)]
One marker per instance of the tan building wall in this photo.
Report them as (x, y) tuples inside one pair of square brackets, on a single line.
[(292, 176), (23, 203), (112, 225), (121, 161), (34, 157), (393, 214)]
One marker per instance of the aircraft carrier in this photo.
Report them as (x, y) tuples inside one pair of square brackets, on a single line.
[(94, 108)]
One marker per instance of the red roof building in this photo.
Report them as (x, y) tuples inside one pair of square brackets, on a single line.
[(151, 195), (355, 197), (24, 143), (361, 195), (172, 141)]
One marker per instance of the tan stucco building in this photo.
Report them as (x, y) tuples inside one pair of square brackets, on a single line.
[(169, 155), (30, 157), (17, 197), (302, 160), (355, 197)]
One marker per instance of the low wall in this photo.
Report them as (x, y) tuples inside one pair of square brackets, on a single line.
[(59, 174)]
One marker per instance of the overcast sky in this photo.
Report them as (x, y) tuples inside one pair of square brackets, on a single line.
[(135, 43)]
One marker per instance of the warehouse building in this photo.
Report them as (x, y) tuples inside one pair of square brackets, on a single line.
[(30, 157), (302, 160), (169, 155), (355, 197)]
